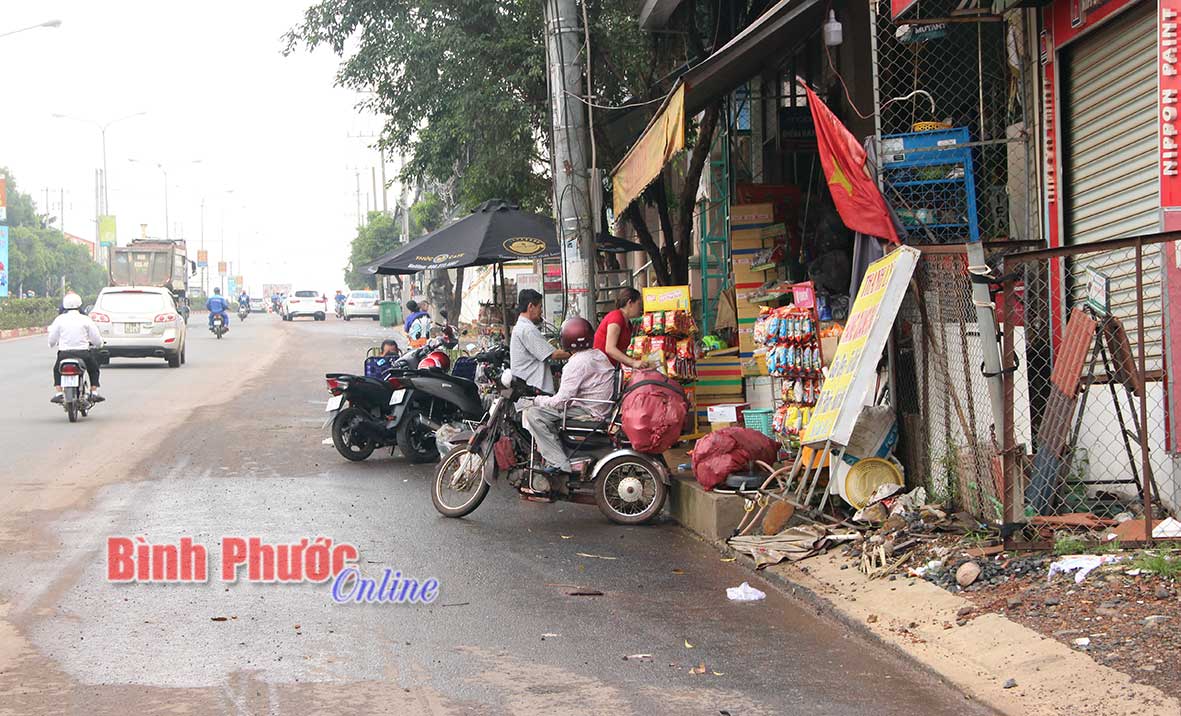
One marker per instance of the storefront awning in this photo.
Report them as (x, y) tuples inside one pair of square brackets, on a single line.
[(736, 62)]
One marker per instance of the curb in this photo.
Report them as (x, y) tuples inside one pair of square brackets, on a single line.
[(975, 658), (10, 333)]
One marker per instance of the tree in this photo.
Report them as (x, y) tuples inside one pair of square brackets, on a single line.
[(462, 87), (379, 236), (21, 209)]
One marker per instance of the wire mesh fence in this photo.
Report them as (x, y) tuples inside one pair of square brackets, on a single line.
[(1088, 399), (949, 443), (960, 76)]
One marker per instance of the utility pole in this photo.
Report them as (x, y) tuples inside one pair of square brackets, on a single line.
[(572, 204)]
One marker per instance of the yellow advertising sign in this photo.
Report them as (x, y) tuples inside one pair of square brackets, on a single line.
[(853, 367), (106, 230), (666, 298)]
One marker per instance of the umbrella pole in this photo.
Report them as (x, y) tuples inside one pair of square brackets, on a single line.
[(504, 299)]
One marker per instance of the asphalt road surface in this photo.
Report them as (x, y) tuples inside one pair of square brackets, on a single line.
[(232, 444)]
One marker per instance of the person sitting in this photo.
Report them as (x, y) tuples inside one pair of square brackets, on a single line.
[(588, 376), (75, 335), (418, 324), (244, 301), (528, 349), (217, 305), (614, 334)]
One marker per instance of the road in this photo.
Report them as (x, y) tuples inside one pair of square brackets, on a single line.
[(231, 444)]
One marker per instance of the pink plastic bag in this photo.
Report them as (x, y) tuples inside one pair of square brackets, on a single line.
[(729, 450), (653, 412)]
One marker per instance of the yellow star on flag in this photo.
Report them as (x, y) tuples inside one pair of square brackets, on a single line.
[(838, 178)]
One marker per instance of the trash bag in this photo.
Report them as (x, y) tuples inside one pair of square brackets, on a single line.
[(653, 412), (730, 450)]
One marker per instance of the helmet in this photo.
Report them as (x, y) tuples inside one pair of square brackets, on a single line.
[(577, 334), (216, 291), (72, 301), (436, 359)]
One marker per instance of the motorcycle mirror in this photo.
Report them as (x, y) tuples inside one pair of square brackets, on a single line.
[(506, 378)]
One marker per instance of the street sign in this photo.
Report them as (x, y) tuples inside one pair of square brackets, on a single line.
[(3, 201), (855, 363), (221, 267), (106, 230), (202, 258), (1097, 288)]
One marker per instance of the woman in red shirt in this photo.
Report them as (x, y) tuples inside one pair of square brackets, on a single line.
[(614, 333)]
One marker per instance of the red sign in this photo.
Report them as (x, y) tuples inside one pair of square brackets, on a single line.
[(897, 7), (1169, 87), (221, 267)]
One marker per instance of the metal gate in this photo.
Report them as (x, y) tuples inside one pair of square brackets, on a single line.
[(1111, 187)]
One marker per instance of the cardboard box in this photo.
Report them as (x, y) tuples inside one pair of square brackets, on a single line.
[(751, 214), (726, 413), (828, 347)]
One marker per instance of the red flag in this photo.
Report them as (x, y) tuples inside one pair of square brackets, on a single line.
[(854, 192)]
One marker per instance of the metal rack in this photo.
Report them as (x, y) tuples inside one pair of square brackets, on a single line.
[(929, 180)]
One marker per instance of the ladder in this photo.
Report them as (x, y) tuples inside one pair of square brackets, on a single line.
[(714, 229)]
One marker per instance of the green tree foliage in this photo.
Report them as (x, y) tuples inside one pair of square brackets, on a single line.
[(380, 235), (21, 210), (462, 87), (39, 257)]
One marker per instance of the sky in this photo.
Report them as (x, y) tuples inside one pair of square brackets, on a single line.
[(268, 142)]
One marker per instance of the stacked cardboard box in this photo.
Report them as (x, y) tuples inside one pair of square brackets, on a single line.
[(752, 230), (719, 381)]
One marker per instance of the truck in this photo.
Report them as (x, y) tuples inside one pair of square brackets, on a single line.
[(153, 262), (275, 289)]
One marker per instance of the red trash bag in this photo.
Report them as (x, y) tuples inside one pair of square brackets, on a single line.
[(653, 412), (729, 450)]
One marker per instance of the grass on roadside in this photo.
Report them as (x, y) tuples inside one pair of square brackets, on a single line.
[(1066, 543), (1164, 563)]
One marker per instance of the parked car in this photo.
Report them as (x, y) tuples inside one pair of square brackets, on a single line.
[(305, 303), (257, 305), (140, 323), (362, 304)]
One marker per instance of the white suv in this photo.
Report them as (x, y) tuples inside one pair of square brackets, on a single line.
[(362, 304), (305, 303), (139, 323)]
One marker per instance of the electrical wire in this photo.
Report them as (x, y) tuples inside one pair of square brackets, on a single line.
[(831, 66), (590, 90), (629, 105)]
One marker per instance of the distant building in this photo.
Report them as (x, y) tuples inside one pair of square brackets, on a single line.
[(86, 244)]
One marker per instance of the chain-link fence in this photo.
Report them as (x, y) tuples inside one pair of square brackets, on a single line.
[(968, 76), (1088, 400), (948, 442)]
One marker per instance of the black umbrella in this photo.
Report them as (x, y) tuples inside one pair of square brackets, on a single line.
[(495, 232)]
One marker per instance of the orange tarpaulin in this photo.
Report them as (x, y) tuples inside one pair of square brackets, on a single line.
[(664, 137)]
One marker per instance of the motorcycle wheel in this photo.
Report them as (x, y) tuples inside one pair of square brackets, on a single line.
[(629, 491), (416, 440), (471, 488), (72, 412), (342, 427)]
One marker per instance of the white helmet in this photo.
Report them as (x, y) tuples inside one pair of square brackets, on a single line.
[(72, 301)]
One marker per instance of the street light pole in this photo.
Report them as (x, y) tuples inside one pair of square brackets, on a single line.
[(47, 23)]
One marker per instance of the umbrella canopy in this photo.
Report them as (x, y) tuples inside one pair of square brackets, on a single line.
[(496, 231)]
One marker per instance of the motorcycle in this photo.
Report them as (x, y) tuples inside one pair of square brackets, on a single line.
[(407, 406), (628, 487), (75, 388), (243, 311), (219, 327), (340, 309)]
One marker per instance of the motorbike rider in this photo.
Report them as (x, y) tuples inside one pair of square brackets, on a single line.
[(244, 301), (75, 335), (588, 376), (218, 305), (339, 298), (528, 349)]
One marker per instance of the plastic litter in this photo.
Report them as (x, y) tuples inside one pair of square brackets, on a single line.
[(745, 593), (1166, 529), (1081, 565)]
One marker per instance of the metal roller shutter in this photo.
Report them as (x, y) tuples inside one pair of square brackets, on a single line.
[(1112, 187)]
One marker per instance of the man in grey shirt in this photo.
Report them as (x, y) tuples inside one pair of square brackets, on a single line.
[(528, 349)]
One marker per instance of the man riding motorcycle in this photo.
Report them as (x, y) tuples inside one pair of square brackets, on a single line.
[(588, 376), (244, 300), (216, 305), (75, 335)]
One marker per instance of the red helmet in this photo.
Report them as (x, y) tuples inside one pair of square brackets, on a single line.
[(577, 334), (436, 359)]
